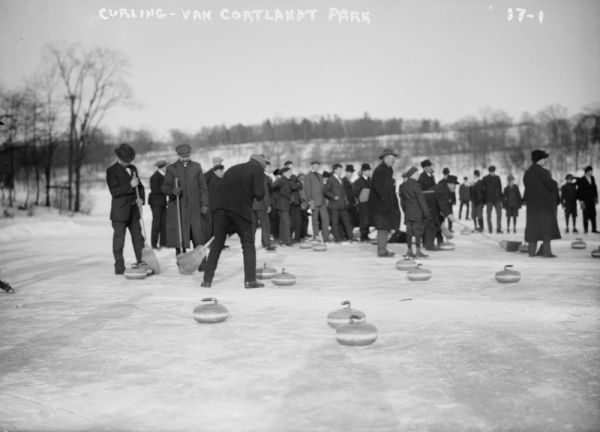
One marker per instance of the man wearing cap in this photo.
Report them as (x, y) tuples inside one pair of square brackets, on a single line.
[(587, 194), (242, 184), (338, 206), (261, 210), (361, 189), (476, 195), (123, 181), (512, 202), (464, 197), (568, 199), (432, 224), (415, 212), (210, 174), (185, 179), (158, 203), (295, 204), (314, 187), (492, 196), (541, 199), (352, 200), (383, 202), (451, 195)]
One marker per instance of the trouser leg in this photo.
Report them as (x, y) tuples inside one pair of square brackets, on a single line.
[(221, 224), (135, 229), (382, 240), (346, 224), (285, 230), (118, 243), (156, 225), (244, 230), (488, 210), (324, 221)]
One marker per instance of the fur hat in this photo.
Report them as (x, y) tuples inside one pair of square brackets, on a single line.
[(125, 152), (183, 150)]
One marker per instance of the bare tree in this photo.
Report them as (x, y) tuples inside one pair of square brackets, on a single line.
[(94, 81)]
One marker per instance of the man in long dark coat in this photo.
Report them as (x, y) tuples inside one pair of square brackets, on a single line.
[(352, 199), (362, 189), (432, 224), (541, 199), (261, 209), (242, 184), (383, 202), (193, 199), (158, 204), (314, 187), (415, 212), (492, 196), (123, 180), (476, 195), (587, 194), (338, 206)]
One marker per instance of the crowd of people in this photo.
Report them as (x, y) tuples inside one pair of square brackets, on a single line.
[(192, 206)]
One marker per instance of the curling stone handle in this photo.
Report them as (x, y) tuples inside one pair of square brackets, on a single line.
[(354, 318), (419, 265), (506, 267), (346, 303), (283, 270), (209, 299)]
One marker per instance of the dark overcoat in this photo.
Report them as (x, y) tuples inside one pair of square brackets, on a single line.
[(157, 198), (492, 189), (586, 190), (283, 199), (122, 205), (541, 199), (265, 202), (334, 188), (383, 201), (476, 192), (413, 202), (193, 197), (511, 197), (241, 185)]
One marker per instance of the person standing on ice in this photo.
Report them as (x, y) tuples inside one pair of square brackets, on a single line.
[(587, 194), (541, 199), (464, 197), (193, 201), (383, 202), (492, 196), (123, 180), (476, 195), (158, 203), (568, 199), (432, 224), (314, 188), (362, 189), (512, 202), (242, 184), (338, 206), (260, 212), (415, 212)]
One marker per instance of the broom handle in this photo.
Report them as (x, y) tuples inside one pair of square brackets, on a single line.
[(483, 234), (137, 194), (179, 218)]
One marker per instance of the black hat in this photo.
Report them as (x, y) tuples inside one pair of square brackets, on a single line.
[(538, 155), (452, 179), (326, 174), (125, 152), (350, 168), (387, 152), (476, 173), (315, 162), (365, 167), (446, 171), (491, 168), (569, 177), (288, 163), (336, 166), (426, 163), (276, 172), (410, 172), (465, 178), (218, 167), (161, 163), (588, 168), (284, 170)]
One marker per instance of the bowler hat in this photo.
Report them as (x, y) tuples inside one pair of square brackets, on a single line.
[(387, 152), (125, 152), (350, 168), (426, 163), (410, 172), (365, 167), (538, 155), (452, 179), (446, 171), (183, 150), (491, 168), (569, 177)]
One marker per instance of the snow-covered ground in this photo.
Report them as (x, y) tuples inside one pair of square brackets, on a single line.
[(84, 349)]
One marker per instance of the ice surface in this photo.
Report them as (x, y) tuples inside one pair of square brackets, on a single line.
[(84, 349)]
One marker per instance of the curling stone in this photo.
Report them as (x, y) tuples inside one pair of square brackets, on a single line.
[(283, 278), (578, 244), (406, 264), (356, 333), (507, 275), (524, 248), (342, 316), (210, 311), (306, 245), (320, 247), (596, 253), (419, 274), (447, 246), (265, 272), (135, 273), (446, 232)]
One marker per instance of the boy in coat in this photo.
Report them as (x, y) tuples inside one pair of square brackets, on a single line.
[(415, 212), (568, 199), (512, 202), (362, 188), (158, 203), (587, 194), (123, 180), (338, 206)]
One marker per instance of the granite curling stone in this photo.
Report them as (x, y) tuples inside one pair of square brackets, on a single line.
[(319, 247), (419, 274), (265, 272), (507, 275), (447, 246), (210, 311), (306, 245), (283, 278), (578, 244), (342, 316), (406, 263), (524, 248), (356, 333), (135, 273), (596, 253)]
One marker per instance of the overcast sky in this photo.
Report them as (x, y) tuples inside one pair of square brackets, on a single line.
[(418, 58)]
